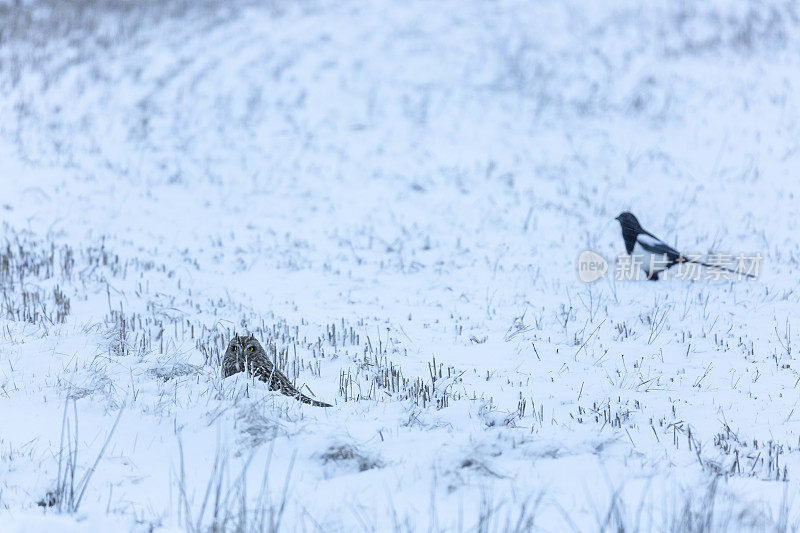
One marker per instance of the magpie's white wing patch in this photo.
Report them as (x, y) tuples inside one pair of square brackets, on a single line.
[(653, 254), (656, 247)]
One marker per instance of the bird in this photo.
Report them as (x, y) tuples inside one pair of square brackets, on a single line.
[(656, 254), (245, 354)]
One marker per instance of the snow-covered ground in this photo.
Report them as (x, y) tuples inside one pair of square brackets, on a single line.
[(394, 195)]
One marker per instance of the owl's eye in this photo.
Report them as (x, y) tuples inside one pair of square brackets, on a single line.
[(251, 348), (235, 348)]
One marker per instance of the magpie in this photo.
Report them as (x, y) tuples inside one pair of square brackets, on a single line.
[(657, 256)]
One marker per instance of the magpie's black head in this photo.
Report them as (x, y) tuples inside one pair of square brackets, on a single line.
[(630, 229), (629, 221)]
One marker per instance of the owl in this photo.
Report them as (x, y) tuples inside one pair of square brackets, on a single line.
[(245, 354)]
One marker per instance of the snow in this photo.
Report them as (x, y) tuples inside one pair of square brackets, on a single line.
[(395, 195)]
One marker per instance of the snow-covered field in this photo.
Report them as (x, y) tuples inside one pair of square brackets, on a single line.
[(394, 195)]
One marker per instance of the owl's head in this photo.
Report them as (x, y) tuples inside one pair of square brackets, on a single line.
[(244, 346)]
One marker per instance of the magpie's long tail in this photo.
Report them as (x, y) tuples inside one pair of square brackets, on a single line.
[(718, 267)]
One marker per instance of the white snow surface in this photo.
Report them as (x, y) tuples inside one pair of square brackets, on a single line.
[(393, 194)]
